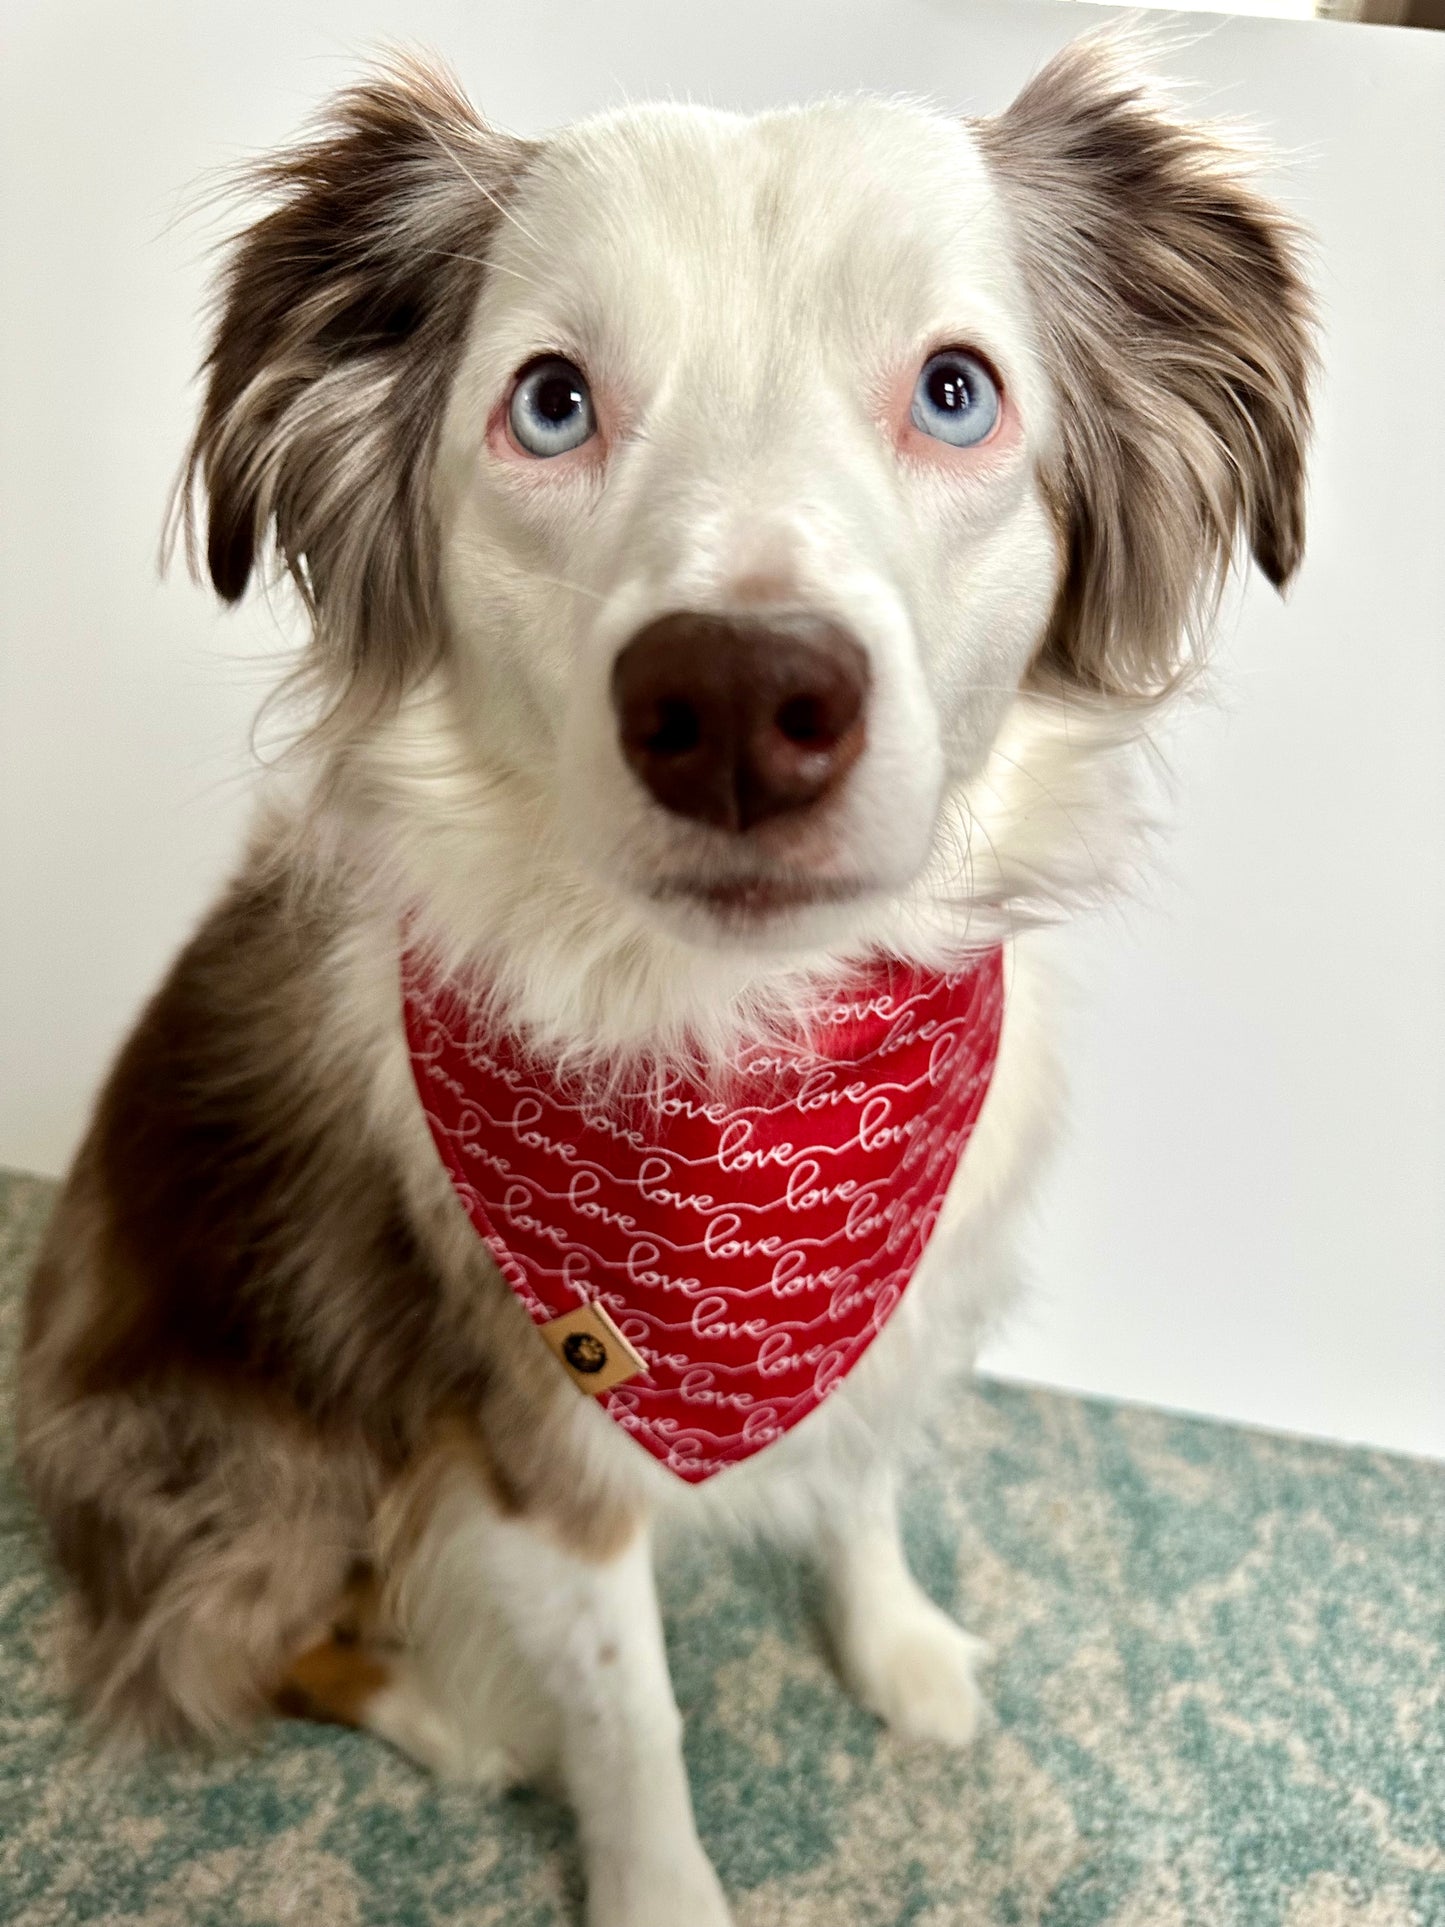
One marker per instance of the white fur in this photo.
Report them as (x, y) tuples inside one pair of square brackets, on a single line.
[(494, 807)]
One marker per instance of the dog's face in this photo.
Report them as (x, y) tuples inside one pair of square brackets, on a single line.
[(734, 476), (743, 539)]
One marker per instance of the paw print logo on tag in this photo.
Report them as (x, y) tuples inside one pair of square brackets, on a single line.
[(593, 1352), (584, 1353)]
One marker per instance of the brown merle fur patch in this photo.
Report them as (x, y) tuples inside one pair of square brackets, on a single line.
[(251, 1359)]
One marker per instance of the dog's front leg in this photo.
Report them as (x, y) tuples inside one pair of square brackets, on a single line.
[(898, 1652), (591, 1629)]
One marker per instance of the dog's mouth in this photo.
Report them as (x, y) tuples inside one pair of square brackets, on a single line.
[(755, 899)]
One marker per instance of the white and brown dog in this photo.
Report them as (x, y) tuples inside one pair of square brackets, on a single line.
[(737, 553)]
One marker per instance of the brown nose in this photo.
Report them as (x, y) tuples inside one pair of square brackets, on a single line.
[(732, 720)]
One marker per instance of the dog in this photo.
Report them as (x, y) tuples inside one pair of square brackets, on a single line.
[(740, 556)]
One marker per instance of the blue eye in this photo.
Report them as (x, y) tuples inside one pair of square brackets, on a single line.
[(551, 410), (956, 399)]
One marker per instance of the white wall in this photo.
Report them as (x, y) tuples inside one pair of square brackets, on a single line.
[(1248, 1219)]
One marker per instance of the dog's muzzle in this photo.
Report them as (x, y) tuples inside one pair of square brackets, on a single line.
[(735, 720)]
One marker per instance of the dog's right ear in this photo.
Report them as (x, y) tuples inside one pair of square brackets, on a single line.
[(340, 318), (1171, 302)]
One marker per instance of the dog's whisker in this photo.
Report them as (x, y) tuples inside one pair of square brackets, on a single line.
[(562, 582), (488, 267), (1004, 899), (481, 187), (1065, 810)]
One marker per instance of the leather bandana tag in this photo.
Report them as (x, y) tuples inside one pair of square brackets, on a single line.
[(708, 1262), (595, 1353)]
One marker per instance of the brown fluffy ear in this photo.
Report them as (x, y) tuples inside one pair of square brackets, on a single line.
[(341, 314), (1174, 314)]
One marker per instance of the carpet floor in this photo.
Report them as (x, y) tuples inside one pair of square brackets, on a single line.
[(1218, 1690)]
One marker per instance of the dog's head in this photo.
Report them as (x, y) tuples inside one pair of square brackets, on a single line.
[(733, 477)]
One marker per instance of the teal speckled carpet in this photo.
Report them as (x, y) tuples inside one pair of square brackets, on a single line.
[(1219, 1688)]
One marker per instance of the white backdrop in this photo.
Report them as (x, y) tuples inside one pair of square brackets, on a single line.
[(1248, 1217)]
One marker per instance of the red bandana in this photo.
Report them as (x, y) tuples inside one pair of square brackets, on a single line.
[(748, 1243)]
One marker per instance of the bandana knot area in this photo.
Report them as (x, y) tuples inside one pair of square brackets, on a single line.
[(748, 1240)]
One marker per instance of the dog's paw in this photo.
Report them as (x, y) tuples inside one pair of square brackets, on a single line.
[(402, 1714), (918, 1674), (643, 1892)]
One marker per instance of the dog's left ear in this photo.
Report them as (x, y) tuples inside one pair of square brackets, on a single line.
[(340, 317), (1174, 314)]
